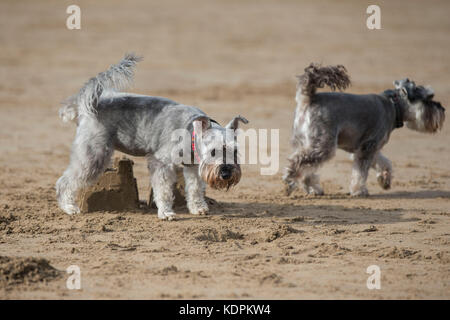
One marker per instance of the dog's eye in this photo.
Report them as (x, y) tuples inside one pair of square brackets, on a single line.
[(213, 153)]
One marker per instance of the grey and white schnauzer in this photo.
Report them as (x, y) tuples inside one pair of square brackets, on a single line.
[(358, 124), (140, 125)]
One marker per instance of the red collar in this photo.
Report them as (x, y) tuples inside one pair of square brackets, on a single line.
[(194, 149)]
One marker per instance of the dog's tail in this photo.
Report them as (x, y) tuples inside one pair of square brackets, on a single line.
[(117, 77), (316, 76)]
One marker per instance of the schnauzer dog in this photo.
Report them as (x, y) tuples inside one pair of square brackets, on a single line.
[(358, 124), (139, 125)]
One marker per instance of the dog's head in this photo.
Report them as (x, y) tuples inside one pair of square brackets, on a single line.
[(217, 150), (422, 113)]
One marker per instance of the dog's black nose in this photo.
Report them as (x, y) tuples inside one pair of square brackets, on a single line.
[(225, 172)]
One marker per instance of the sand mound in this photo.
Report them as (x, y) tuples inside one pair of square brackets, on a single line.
[(214, 235), (270, 279), (399, 253), (26, 270), (279, 231), (325, 250), (6, 219)]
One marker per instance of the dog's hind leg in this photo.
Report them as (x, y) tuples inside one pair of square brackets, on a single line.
[(91, 153), (162, 178), (383, 167), (303, 165), (292, 173)]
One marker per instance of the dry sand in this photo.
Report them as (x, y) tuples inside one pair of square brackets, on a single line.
[(228, 57)]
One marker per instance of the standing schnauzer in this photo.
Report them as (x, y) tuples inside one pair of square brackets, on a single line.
[(140, 125), (359, 124)]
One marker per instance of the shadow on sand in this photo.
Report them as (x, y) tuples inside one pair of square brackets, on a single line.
[(314, 214)]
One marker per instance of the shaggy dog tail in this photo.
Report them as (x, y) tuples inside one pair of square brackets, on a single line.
[(84, 103), (316, 76)]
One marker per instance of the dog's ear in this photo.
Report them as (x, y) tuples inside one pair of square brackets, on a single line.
[(401, 83), (234, 124), (201, 123)]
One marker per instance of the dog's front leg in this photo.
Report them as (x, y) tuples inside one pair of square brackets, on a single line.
[(195, 191), (162, 179), (383, 167)]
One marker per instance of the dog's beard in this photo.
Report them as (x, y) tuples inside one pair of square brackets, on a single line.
[(210, 173), (430, 119), (434, 116)]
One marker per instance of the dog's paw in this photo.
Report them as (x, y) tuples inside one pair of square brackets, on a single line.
[(70, 209), (202, 212), (384, 180), (363, 192), (168, 215), (199, 209), (315, 191)]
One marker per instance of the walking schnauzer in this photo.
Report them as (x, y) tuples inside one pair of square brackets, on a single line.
[(139, 125), (358, 124)]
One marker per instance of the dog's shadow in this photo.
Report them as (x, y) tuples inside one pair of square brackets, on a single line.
[(328, 214), (423, 194), (313, 214)]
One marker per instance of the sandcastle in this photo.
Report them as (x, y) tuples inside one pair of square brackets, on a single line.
[(115, 190)]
